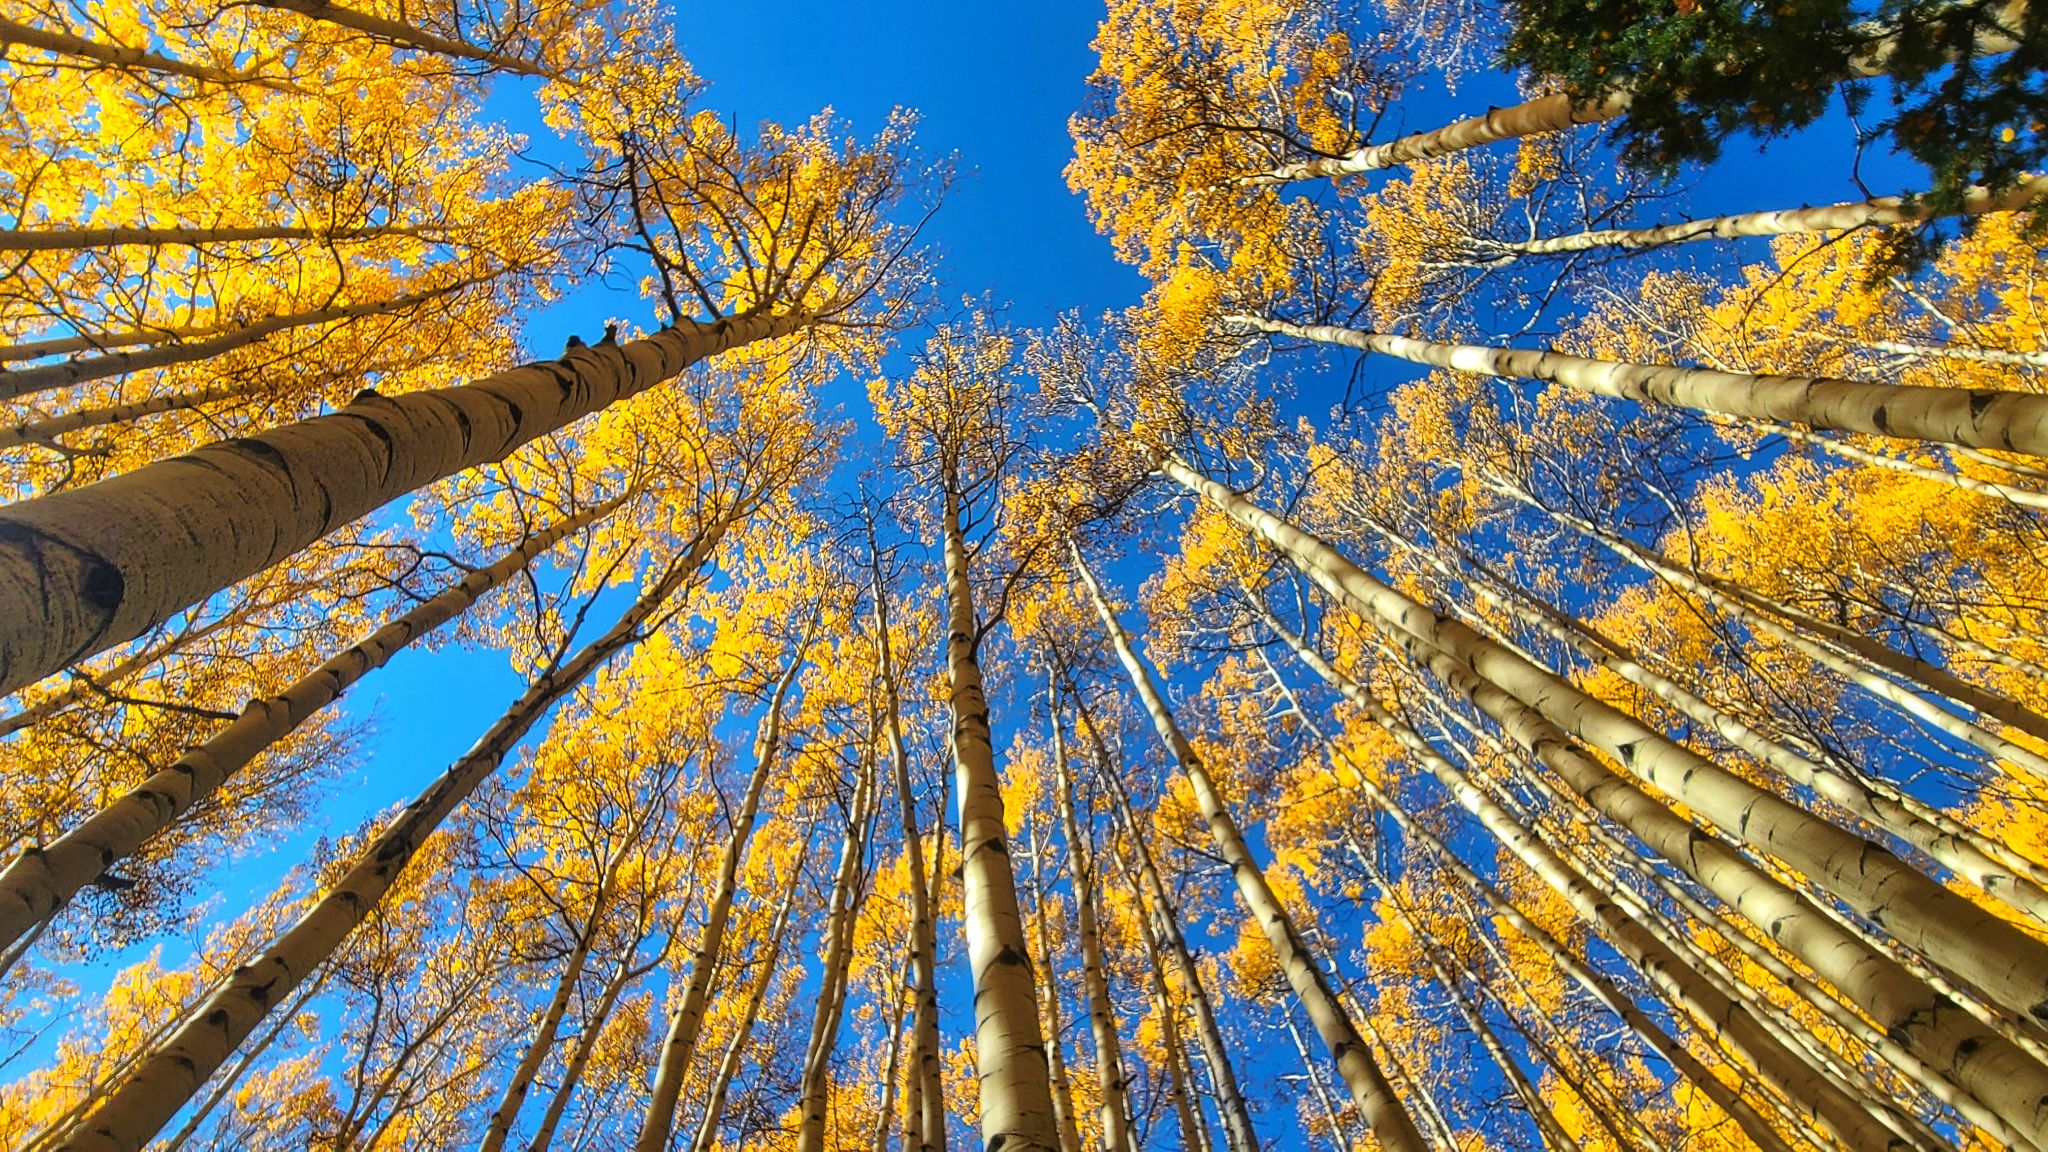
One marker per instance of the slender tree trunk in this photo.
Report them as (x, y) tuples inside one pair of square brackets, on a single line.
[(1016, 1098), (1552, 113), (1550, 1133), (130, 1115), (1857, 658), (1055, 1059), (1109, 1071), (540, 1046), (679, 1044), (41, 880), (2010, 357), (224, 1085), (1976, 417), (815, 1095), (1881, 212), (1311, 1070), (1835, 446), (29, 381), (1953, 846), (550, 1023), (102, 341), (579, 1055), (736, 1051), (80, 239), (1238, 1133), (1722, 1018), (45, 432), (1194, 1135), (1604, 990), (1922, 914), (122, 56), (1558, 111), (1369, 1088), (89, 568), (404, 35), (925, 1093), (899, 1014)]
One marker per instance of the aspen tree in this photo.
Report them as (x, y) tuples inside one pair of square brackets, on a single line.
[(37, 883), (841, 910), (951, 417), (130, 1116), (1368, 1085), (1194, 1134), (1055, 1059), (1880, 212), (1165, 923), (686, 1018), (1102, 1024), (757, 994), (93, 565), (1979, 418), (926, 1096)]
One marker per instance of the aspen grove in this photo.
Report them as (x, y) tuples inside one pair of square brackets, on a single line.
[(540, 610)]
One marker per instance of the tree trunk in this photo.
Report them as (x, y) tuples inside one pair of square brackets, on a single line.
[(1109, 1071), (1922, 914), (1835, 446), (815, 1094), (45, 432), (86, 569), (579, 1056), (736, 1051), (41, 880), (122, 56), (1194, 1134), (1238, 1133), (550, 1023), (129, 1116), (1721, 1017), (29, 381), (404, 35), (1963, 352), (679, 1044), (1976, 417), (1551, 113), (1049, 986), (925, 1094), (1882, 212), (1375, 1098), (1016, 1098), (79, 239)]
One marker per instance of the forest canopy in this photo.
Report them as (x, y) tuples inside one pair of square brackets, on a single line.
[(1501, 604)]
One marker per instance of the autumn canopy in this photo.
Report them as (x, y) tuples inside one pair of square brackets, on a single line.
[(1528, 629)]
